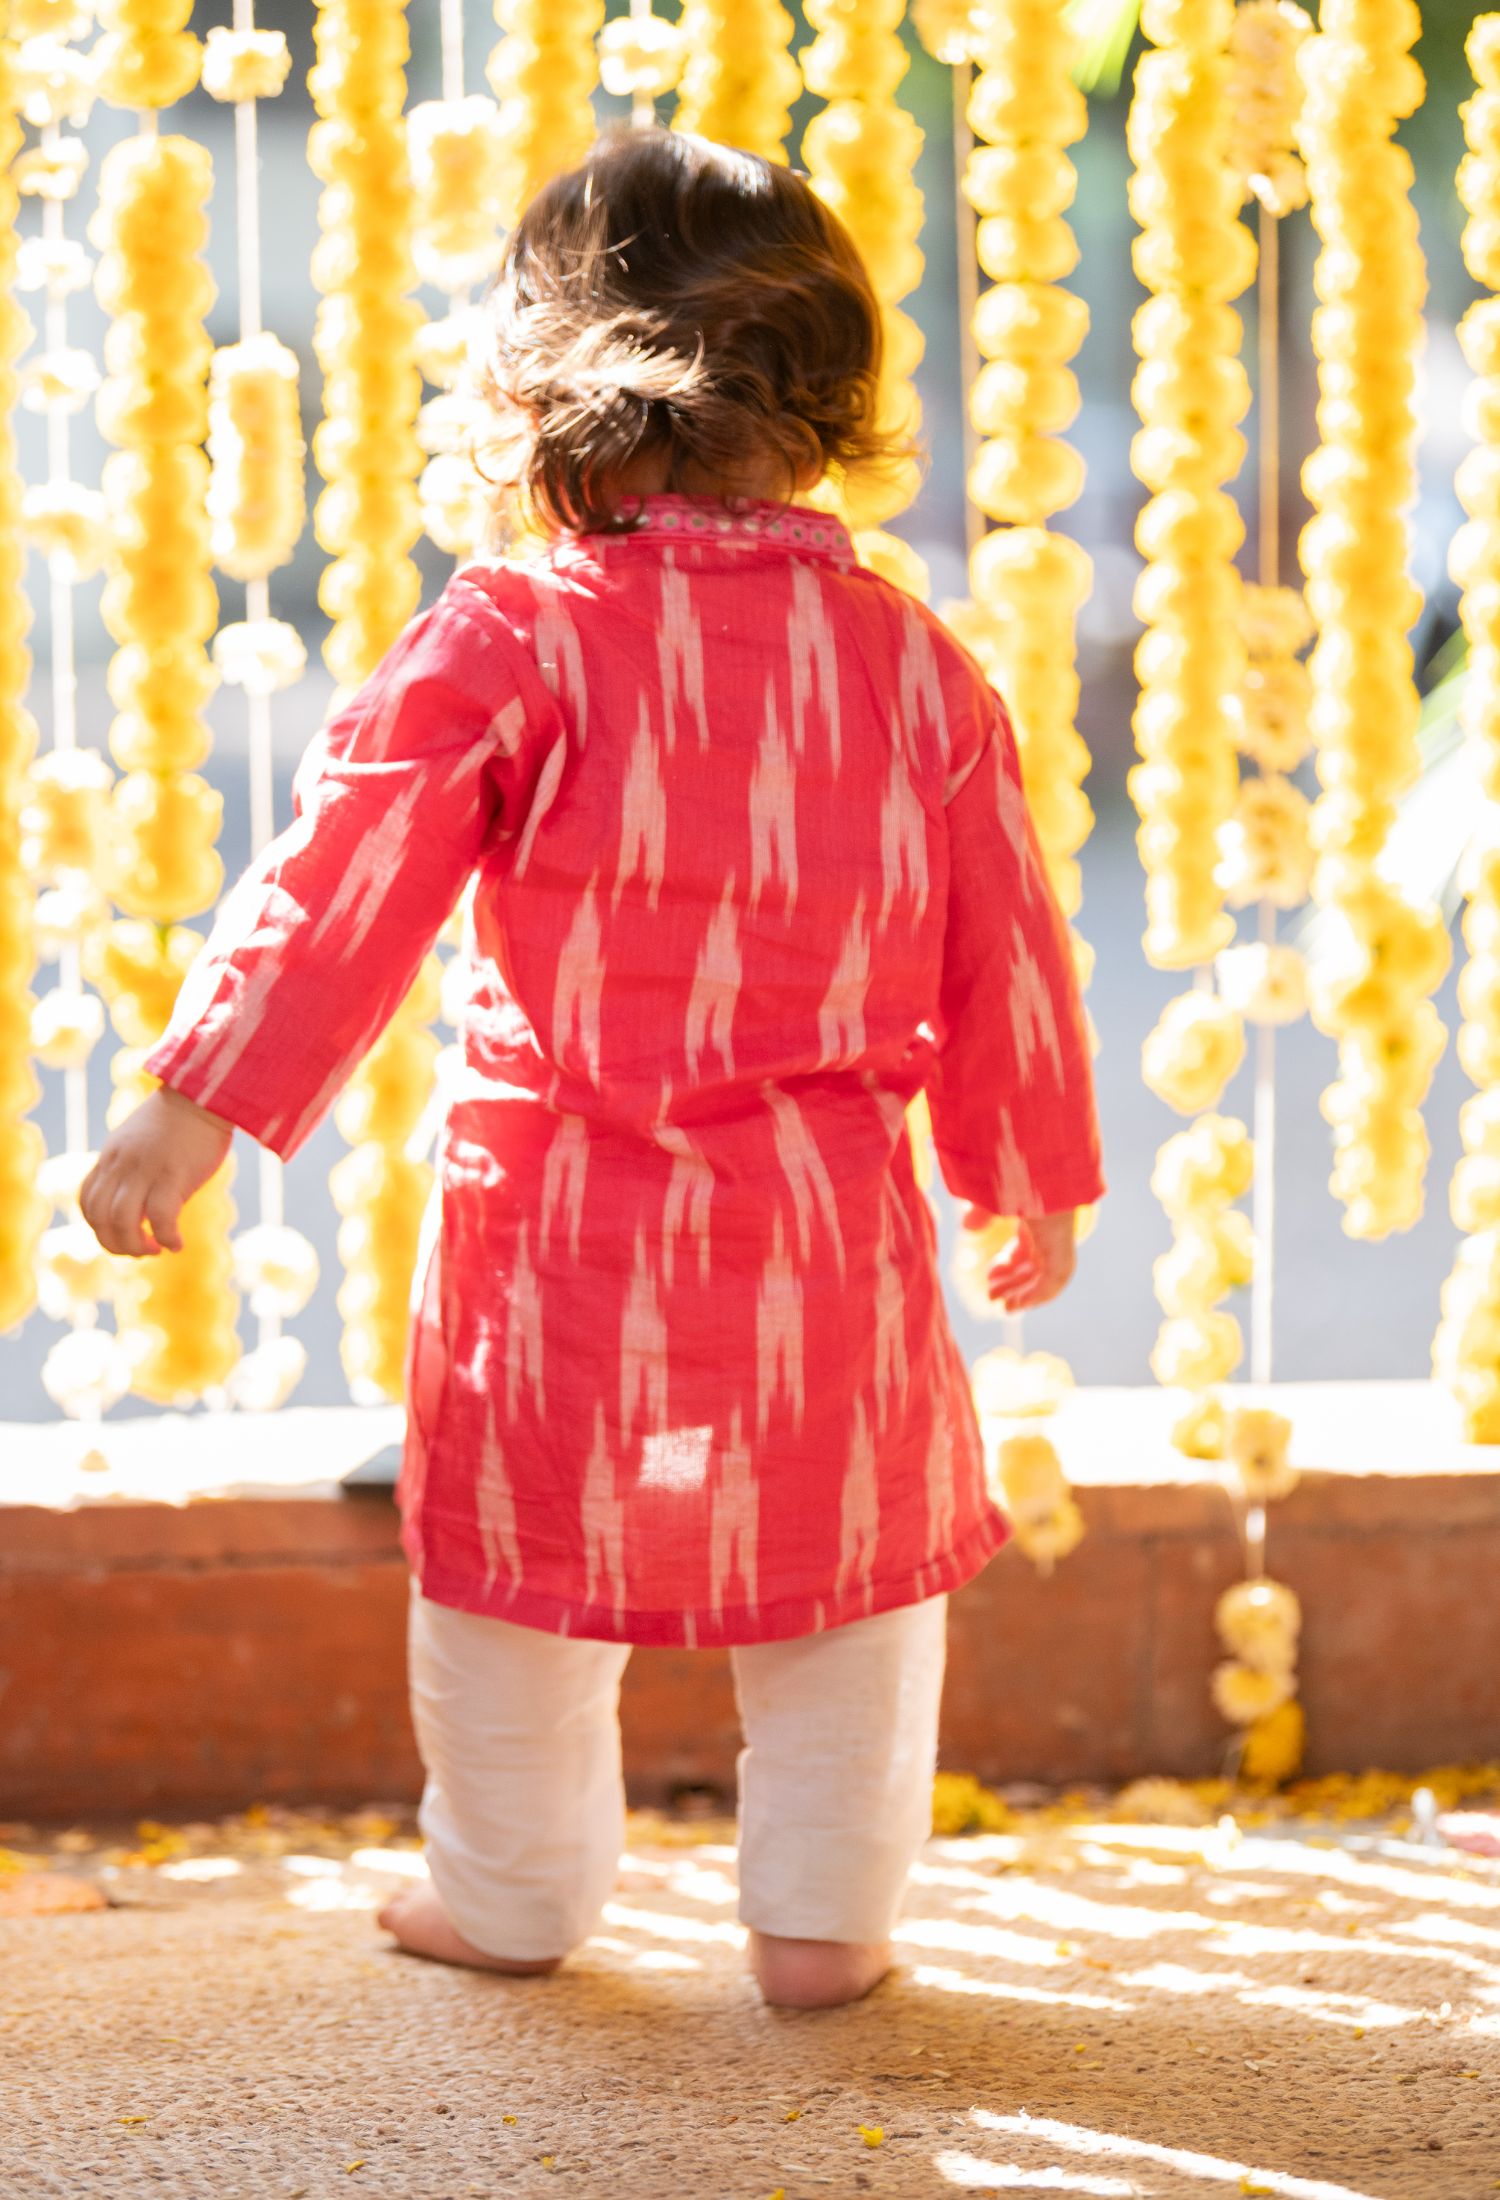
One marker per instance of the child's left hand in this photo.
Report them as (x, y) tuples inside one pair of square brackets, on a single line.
[(1038, 1263), (149, 1169)]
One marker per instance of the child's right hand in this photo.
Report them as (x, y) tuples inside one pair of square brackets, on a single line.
[(147, 1171), (1038, 1263)]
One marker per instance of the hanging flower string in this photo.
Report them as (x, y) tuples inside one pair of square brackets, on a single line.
[(63, 819), (1466, 1349), (1026, 582), (1191, 391), (1387, 955), (23, 1213), (640, 59), (542, 72), (738, 80), (176, 1314), (1266, 861), (257, 506), (368, 517), (861, 154), (1194, 256)]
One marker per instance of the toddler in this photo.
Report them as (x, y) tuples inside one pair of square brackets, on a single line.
[(751, 868)]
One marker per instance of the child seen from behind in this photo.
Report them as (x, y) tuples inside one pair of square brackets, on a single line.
[(751, 868)]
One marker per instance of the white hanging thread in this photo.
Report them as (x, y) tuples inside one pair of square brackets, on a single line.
[(62, 660), (1263, 1195), (262, 761)]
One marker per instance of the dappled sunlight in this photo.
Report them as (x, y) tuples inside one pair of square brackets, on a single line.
[(200, 1870), (1332, 2008), (332, 1894), (974, 2176), (1448, 1932), (1064, 1911), (401, 1863), (666, 1925), (689, 1880), (1210, 2168), (978, 1940), (964, 1982), (665, 1959)]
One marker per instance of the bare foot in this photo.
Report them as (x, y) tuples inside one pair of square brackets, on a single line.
[(816, 1974), (421, 1924)]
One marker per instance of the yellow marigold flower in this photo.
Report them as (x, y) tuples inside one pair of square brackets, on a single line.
[(253, 64), (1255, 1445), (1197, 1045), (1195, 1351), (1213, 1160), (1199, 1433), (960, 1804), (1266, 99), (1034, 1492), (276, 1268), (1211, 1255), (73, 1272), (1007, 1383), (1243, 1693), (66, 1027), (1265, 981), (1258, 1623), (1266, 854), (640, 56), (1274, 1745)]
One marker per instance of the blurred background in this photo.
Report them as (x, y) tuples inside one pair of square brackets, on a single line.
[(1342, 1308)]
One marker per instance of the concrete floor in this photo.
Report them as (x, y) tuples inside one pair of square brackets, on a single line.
[(1090, 2008)]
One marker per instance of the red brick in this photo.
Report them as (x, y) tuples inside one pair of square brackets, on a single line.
[(157, 1658)]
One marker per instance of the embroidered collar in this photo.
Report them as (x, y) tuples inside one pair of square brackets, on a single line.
[(747, 524)]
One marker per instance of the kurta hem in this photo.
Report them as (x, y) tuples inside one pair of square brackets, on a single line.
[(779, 1621)]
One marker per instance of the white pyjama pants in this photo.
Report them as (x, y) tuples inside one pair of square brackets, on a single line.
[(523, 1811)]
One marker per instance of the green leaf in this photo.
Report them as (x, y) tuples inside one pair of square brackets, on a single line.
[(1105, 29)]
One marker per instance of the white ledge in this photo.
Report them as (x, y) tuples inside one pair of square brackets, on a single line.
[(1108, 1438)]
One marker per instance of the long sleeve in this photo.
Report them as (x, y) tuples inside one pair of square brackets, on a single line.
[(1012, 1098), (313, 950)]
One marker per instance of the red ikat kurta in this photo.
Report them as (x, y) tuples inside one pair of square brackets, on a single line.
[(752, 865)]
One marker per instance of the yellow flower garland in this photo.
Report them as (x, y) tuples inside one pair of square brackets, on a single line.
[(256, 492), (1360, 80), (1191, 391), (176, 1315), (1027, 583), (1466, 1349), (147, 57), (1199, 1174), (159, 602), (458, 156), (641, 58), (1265, 100), (861, 155), (369, 515), (542, 73), (739, 81), (23, 1214), (365, 446)]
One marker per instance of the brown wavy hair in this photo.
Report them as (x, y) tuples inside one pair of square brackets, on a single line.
[(678, 301)]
